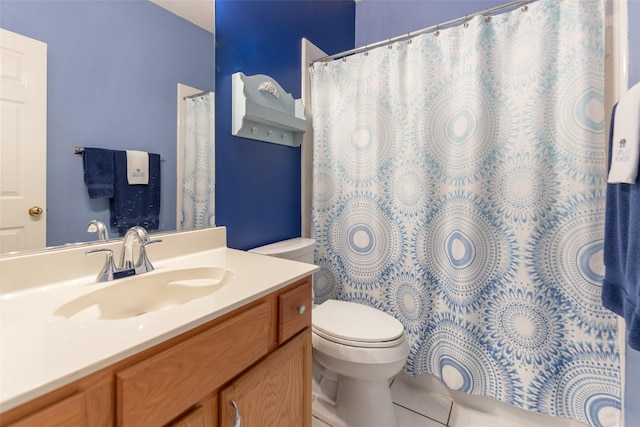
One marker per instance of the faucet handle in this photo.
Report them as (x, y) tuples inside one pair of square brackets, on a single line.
[(148, 242), (108, 268), (144, 265)]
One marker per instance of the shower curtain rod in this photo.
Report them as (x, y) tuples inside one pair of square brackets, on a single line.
[(437, 27), (198, 94)]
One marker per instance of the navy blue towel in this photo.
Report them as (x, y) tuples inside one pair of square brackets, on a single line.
[(135, 204), (621, 284), (98, 172)]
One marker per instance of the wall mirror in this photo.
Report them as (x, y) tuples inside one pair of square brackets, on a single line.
[(113, 69)]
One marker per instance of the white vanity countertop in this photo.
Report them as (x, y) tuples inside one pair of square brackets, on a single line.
[(40, 352)]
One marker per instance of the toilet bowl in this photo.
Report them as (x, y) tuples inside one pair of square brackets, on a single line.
[(357, 349), (365, 347)]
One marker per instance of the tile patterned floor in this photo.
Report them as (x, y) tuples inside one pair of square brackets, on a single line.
[(415, 407), (418, 408)]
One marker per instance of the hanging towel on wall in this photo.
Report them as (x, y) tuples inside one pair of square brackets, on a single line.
[(135, 204), (98, 172), (137, 167), (625, 145), (621, 284)]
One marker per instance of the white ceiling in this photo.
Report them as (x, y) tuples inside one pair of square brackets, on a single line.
[(199, 12)]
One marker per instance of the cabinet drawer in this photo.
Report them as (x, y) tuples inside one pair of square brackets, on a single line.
[(294, 311), (160, 388), (67, 412)]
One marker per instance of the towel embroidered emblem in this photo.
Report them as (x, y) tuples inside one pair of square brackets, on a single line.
[(622, 155), (626, 130), (137, 167)]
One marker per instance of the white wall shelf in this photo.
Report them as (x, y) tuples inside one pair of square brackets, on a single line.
[(263, 111)]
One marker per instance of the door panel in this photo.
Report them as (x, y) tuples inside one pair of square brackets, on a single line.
[(23, 142)]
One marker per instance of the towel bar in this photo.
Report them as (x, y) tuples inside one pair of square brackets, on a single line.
[(77, 149)]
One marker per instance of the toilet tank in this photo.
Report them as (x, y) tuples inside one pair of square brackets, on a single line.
[(297, 249)]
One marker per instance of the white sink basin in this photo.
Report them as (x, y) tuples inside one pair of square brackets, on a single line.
[(147, 292)]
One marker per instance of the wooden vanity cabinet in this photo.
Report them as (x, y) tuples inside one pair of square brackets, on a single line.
[(258, 356)]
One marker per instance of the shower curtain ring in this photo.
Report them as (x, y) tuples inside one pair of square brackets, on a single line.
[(466, 21)]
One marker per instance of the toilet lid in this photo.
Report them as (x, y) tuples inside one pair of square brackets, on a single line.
[(352, 323)]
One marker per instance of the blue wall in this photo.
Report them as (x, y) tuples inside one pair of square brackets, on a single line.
[(113, 70), (379, 20), (258, 183)]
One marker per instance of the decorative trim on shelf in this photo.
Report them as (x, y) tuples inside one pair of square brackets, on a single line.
[(269, 87)]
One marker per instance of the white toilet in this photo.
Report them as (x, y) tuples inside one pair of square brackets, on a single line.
[(357, 349)]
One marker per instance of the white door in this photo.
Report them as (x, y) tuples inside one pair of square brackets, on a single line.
[(23, 142)]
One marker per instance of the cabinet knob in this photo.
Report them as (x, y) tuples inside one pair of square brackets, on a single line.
[(237, 419), (302, 308)]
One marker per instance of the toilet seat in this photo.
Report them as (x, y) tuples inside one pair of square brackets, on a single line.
[(356, 325)]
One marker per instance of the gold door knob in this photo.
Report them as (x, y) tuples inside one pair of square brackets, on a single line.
[(35, 211)]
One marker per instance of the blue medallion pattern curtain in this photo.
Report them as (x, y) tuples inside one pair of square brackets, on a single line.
[(198, 183), (458, 185)]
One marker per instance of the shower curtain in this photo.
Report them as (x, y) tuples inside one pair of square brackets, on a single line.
[(198, 183), (458, 185)]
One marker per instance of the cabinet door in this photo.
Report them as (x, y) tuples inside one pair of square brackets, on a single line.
[(275, 392)]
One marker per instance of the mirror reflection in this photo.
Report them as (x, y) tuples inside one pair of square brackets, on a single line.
[(112, 74)]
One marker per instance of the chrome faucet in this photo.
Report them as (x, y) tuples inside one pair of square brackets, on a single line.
[(99, 227), (142, 265), (127, 267)]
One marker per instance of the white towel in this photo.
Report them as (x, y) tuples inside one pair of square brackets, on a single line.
[(137, 167), (625, 153)]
